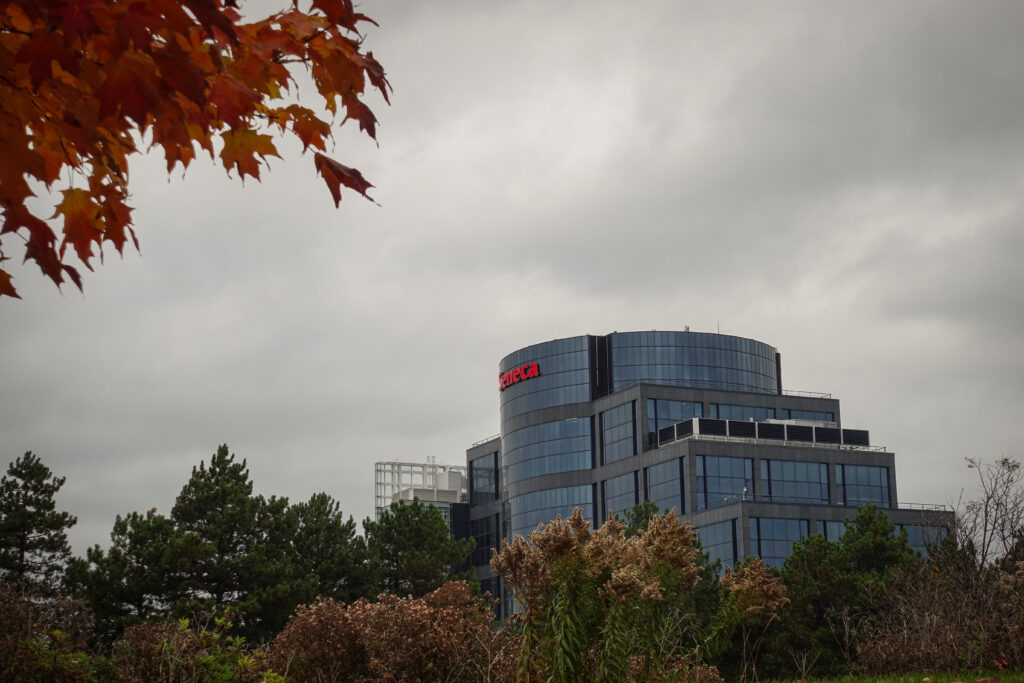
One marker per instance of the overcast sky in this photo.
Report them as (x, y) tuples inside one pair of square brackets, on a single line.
[(842, 181)]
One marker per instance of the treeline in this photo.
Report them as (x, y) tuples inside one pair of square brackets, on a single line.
[(233, 586)]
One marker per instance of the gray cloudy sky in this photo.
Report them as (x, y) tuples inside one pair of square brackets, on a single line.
[(844, 181)]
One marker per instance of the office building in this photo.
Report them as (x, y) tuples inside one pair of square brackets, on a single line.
[(693, 421)]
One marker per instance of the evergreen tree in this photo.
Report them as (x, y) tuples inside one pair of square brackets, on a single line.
[(413, 549), (33, 534), (330, 558)]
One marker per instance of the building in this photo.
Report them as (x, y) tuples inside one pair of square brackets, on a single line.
[(443, 486), (693, 421)]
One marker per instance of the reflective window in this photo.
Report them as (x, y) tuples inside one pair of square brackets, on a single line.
[(483, 479), (921, 536), (772, 538), (859, 484), (618, 435), (547, 448), (785, 481), (817, 415), (663, 413), (485, 532), (525, 512), (665, 485), (719, 541), (723, 411), (832, 531), (619, 495), (723, 480), (693, 359), (564, 376)]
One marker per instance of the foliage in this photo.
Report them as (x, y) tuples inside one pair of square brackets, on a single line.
[(753, 596), (445, 635), (128, 583), (600, 605), (830, 585), (330, 559), (183, 651), (84, 84), (33, 534), (412, 549), (42, 638)]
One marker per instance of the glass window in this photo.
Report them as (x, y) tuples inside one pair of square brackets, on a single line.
[(485, 532), (784, 481), (525, 512), (723, 411), (694, 359), (921, 536), (859, 484), (483, 479), (618, 434), (665, 485), (719, 541), (547, 448), (663, 413), (723, 480), (564, 366), (619, 495), (772, 538), (816, 415)]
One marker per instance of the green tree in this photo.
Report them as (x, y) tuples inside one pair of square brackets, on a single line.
[(413, 550), (33, 534), (230, 548), (128, 583), (331, 560)]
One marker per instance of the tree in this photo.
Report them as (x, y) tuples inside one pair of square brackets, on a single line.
[(33, 534), (128, 583), (230, 549), (413, 549), (993, 523), (330, 559), (84, 84)]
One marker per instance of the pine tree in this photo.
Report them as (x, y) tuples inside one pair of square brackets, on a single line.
[(414, 549), (333, 561), (33, 534)]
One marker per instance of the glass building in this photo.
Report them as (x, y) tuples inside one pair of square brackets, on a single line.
[(695, 422)]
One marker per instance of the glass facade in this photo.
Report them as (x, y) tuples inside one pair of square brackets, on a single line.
[(859, 484), (618, 433), (487, 535), (921, 536), (817, 415), (665, 485), (723, 411), (723, 480), (772, 538), (525, 512), (693, 359), (719, 541), (483, 479), (664, 413), (564, 376), (547, 448), (785, 481), (620, 494)]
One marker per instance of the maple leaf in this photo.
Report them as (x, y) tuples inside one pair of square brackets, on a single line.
[(82, 82), (241, 148), (336, 174)]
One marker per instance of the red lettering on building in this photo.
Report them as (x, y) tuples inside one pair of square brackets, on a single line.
[(507, 379)]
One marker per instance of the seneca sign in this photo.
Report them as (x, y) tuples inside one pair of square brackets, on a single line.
[(507, 379)]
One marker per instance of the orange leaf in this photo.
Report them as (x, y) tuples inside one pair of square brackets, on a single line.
[(241, 148), (82, 225)]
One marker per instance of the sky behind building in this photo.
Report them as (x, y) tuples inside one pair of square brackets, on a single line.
[(843, 182)]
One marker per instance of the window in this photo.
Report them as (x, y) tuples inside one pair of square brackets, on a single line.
[(663, 413), (719, 541), (724, 411), (665, 485), (618, 434), (619, 495), (525, 512), (784, 481), (547, 448), (816, 415), (772, 538), (859, 484), (723, 480)]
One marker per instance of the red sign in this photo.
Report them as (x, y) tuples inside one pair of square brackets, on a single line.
[(507, 379)]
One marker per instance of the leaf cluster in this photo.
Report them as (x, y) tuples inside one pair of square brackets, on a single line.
[(83, 83)]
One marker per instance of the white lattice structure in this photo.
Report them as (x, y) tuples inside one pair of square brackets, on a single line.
[(429, 482)]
